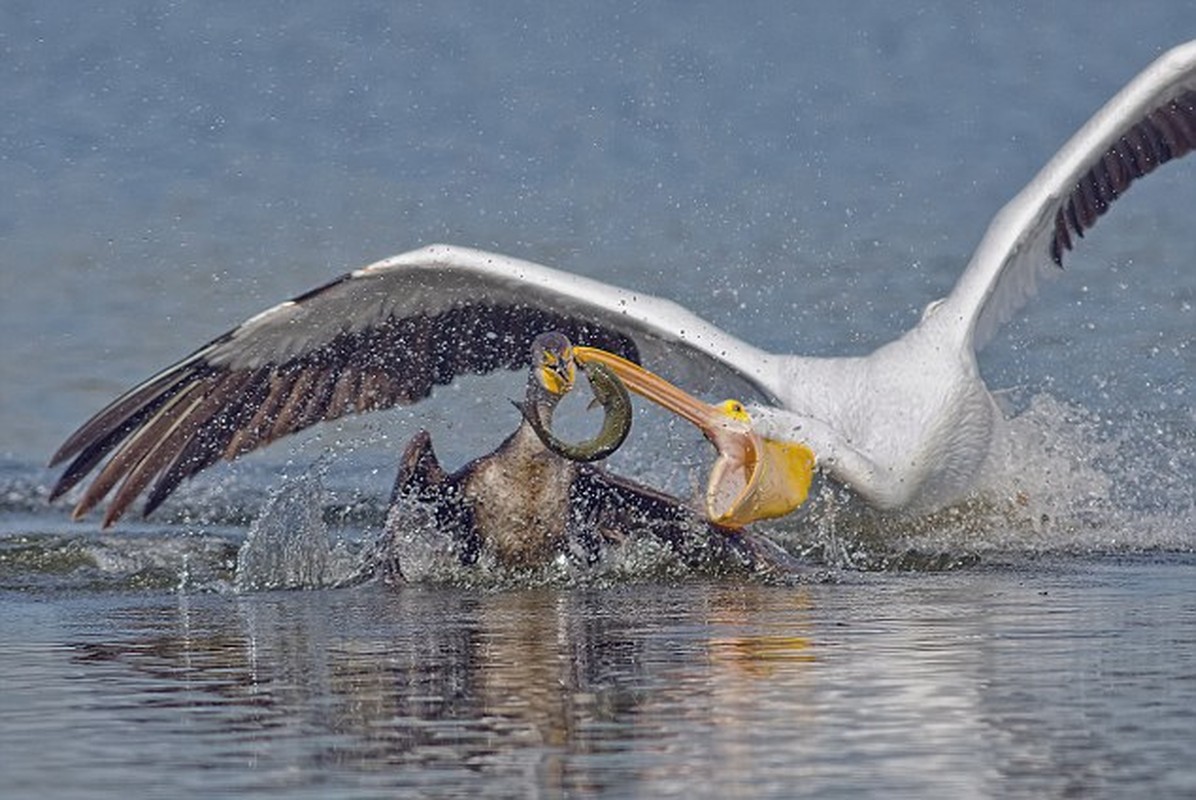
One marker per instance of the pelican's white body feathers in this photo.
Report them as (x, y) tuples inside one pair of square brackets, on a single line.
[(908, 426)]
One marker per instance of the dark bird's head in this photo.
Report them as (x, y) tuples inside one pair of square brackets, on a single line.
[(554, 370)]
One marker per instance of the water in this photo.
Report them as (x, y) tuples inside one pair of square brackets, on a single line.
[(1055, 681), (808, 177)]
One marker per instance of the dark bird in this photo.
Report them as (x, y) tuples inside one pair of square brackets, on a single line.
[(537, 495)]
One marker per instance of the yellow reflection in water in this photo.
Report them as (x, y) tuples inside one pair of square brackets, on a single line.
[(755, 654)]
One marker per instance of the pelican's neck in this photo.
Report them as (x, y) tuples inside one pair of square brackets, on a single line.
[(819, 387)]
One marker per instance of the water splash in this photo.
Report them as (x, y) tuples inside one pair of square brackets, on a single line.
[(289, 545), (1062, 480), (413, 546), (116, 562), (1066, 481)]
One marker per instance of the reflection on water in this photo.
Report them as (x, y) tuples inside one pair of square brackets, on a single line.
[(1060, 680)]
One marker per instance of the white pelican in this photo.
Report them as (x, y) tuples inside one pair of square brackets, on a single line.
[(907, 427)]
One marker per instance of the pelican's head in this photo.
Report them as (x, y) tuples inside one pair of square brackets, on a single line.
[(754, 477), (553, 366)]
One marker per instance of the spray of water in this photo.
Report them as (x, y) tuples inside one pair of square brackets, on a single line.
[(289, 544), (1061, 480)]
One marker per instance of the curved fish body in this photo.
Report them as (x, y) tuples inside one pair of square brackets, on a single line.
[(611, 394)]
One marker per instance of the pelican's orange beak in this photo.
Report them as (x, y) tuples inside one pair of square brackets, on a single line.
[(754, 478)]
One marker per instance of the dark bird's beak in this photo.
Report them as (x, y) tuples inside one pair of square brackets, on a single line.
[(556, 369)]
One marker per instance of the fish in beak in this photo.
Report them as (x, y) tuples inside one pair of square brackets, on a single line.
[(754, 477)]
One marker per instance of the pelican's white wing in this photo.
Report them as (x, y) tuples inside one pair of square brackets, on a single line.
[(1151, 121), (380, 336), (441, 281)]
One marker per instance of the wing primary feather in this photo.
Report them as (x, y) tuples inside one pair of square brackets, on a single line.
[(405, 336), (1162, 134), (341, 403), (118, 414), (1102, 183), (319, 398), (166, 445), (105, 431), (1085, 212), (1092, 197), (1182, 116), (130, 453), (1061, 239), (1118, 169), (1158, 141), (211, 441), (257, 431), (1074, 219), (296, 396), (1172, 139)]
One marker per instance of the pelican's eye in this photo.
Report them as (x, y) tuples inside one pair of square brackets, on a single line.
[(735, 410)]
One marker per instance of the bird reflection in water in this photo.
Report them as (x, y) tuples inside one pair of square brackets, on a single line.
[(747, 651), (521, 687)]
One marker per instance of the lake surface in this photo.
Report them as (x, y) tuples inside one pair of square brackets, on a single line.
[(809, 178), (1055, 680)]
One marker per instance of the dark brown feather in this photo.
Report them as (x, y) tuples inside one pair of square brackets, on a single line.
[(209, 443), (165, 449), (1165, 133), (117, 414), (99, 435), (191, 415), (145, 437)]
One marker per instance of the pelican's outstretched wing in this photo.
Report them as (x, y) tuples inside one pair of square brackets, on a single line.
[(1151, 121), (381, 336)]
